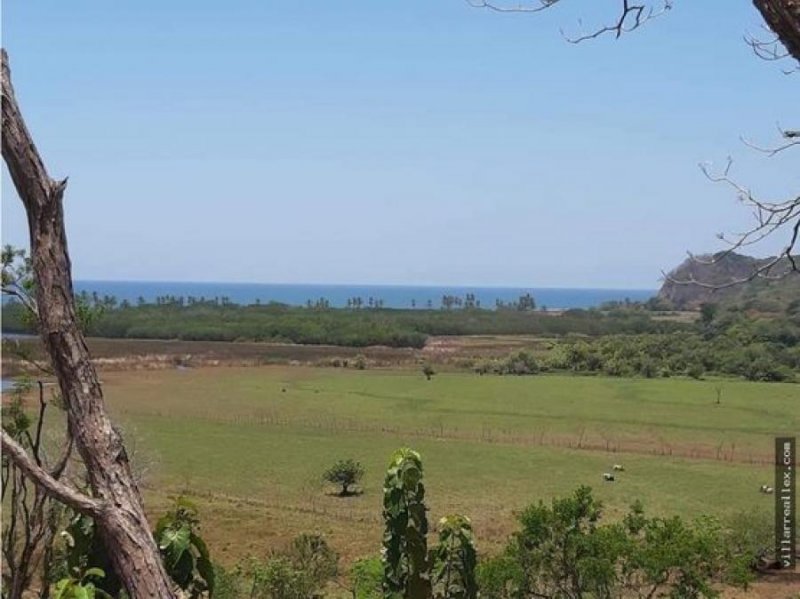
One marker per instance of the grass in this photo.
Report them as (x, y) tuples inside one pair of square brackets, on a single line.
[(252, 444)]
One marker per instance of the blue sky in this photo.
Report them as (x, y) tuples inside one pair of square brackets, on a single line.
[(415, 142)]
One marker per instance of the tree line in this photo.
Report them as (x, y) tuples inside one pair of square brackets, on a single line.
[(213, 321)]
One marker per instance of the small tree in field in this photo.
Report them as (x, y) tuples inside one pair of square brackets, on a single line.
[(345, 473)]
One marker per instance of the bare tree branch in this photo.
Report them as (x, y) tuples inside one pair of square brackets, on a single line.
[(792, 136), (44, 480), (770, 217), (769, 49), (631, 16), (542, 5)]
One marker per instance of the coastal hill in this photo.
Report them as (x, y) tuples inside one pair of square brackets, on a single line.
[(764, 294)]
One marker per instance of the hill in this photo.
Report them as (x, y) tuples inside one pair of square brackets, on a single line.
[(763, 294)]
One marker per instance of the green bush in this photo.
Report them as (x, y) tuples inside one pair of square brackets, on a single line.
[(749, 537), (366, 578), (564, 550), (500, 577), (300, 572)]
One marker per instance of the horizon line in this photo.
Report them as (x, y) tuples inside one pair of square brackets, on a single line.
[(387, 285)]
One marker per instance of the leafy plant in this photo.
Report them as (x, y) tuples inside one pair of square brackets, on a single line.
[(454, 559), (405, 554), (345, 473), (83, 550), (500, 577), (366, 576), (80, 586), (183, 551)]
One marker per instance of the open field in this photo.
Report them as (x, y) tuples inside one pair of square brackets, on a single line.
[(251, 444), (147, 354)]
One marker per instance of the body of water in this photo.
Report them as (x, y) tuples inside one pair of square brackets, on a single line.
[(392, 296)]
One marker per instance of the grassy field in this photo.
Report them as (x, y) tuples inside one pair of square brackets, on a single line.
[(251, 443)]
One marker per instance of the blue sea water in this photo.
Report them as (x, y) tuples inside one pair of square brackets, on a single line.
[(391, 295)]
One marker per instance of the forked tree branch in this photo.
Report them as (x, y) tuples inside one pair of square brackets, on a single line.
[(45, 481), (770, 217), (631, 16)]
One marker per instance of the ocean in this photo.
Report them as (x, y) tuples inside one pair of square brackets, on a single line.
[(392, 296)]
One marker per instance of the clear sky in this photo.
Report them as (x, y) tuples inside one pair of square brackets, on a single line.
[(414, 142)]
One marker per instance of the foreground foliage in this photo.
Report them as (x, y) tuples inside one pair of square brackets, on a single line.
[(184, 552), (565, 551), (299, 572)]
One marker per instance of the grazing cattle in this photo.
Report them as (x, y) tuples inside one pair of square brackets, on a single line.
[(619, 468), (608, 477), (769, 490)]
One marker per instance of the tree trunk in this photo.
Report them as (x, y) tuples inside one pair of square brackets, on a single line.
[(783, 18), (120, 516)]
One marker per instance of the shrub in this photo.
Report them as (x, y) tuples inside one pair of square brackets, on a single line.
[(277, 578), (500, 577), (228, 584), (311, 554), (748, 539), (564, 550), (300, 572), (366, 576)]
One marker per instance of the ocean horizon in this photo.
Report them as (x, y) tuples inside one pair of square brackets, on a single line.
[(392, 296)]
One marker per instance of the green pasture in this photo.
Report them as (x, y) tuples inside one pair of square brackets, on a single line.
[(256, 440)]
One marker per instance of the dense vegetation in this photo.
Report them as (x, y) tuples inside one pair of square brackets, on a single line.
[(726, 341), (222, 321), (616, 340)]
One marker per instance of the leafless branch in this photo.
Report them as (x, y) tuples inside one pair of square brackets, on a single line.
[(632, 16), (44, 480), (770, 217), (792, 138), (769, 49), (540, 6)]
